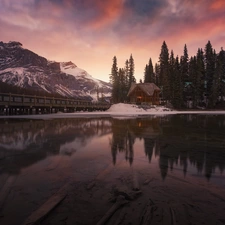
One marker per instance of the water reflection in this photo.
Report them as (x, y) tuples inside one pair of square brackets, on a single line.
[(25, 142), (125, 132), (184, 141), (197, 140)]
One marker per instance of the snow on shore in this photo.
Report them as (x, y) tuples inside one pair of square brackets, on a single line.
[(118, 110), (130, 109)]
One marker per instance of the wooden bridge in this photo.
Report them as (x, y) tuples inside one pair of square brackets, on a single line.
[(13, 104)]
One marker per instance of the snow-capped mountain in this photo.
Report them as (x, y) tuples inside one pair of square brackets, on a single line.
[(23, 68)]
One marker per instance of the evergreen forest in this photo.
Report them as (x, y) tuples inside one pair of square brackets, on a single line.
[(185, 82)]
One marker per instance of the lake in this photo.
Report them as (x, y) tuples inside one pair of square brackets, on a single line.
[(169, 169)]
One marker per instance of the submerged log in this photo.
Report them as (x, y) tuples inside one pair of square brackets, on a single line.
[(173, 218), (120, 202), (47, 207), (147, 215), (119, 219)]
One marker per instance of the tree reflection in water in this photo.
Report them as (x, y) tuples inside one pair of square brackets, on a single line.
[(125, 132), (176, 141)]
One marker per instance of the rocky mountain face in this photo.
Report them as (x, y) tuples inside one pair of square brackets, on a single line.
[(23, 68)]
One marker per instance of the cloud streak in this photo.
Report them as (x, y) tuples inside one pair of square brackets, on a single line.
[(91, 32)]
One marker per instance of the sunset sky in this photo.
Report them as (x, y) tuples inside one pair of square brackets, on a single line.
[(90, 32)]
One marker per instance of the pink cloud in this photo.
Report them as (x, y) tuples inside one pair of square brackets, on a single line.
[(91, 32)]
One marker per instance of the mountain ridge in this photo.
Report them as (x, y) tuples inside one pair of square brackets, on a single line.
[(23, 68)]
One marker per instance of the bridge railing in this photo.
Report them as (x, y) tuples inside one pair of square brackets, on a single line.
[(8, 99)]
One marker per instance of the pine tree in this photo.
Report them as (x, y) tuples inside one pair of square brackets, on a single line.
[(126, 74), (171, 75), (146, 72), (149, 73), (218, 84), (114, 71), (177, 97), (198, 82), (184, 70), (122, 86), (114, 79), (157, 74), (184, 65), (209, 71), (221, 70), (193, 81), (97, 92), (164, 72), (215, 92), (131, 78)]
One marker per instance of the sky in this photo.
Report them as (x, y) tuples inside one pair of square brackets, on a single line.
[(91, 32)]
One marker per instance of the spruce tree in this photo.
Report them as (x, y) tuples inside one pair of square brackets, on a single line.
[(164, 72), (157, 74), (126, 71), (193, 81), (199, 83), (131, 78), (221, 71), (122, 92), (184, 70), (209, 72), (177, 96), (126, 74), (146, 73), (149, 73), (114, 79), (171, 75), (184, 65), (214, 95)]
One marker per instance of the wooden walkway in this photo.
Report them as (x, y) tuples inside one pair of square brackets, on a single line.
[(12, 104)]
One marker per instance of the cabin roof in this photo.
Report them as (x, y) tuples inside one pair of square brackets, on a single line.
[(147, 88)]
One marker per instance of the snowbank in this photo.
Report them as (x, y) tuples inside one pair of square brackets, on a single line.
[(129, 108), (125, 108)]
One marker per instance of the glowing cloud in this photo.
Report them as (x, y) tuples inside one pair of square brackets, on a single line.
[(91, 32)]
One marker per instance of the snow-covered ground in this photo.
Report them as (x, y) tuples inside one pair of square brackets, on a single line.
[(117, 110), (122, 108)]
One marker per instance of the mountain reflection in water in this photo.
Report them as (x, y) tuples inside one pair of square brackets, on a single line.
[(180, 141)]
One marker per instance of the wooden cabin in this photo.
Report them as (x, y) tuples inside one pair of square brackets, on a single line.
[(144, 93)]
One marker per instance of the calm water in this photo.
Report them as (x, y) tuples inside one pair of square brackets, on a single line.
[(39, 156)]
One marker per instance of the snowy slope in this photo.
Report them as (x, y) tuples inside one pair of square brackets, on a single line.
[(80, 74), (23, 68), (72, 69)]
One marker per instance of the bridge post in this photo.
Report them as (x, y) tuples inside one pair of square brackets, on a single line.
[(6, 110)]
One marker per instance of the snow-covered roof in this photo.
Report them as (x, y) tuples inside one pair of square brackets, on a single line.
[(148, 88)]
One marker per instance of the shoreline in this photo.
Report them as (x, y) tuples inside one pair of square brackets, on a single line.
[(110, 114)]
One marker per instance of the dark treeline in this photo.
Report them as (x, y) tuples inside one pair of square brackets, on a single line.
[(185, 82), (121, 79), (198, 81)]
